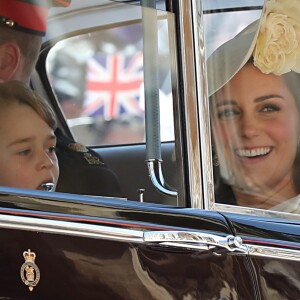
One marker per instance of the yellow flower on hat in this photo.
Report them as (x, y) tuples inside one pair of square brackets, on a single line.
[(277, 48)]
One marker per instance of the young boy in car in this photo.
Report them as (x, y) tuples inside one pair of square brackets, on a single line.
[(22, 25), (27, 139)]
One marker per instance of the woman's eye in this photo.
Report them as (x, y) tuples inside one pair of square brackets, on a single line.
[(270, 108), (227, 113)]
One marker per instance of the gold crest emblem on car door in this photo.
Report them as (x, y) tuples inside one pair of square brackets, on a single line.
[(30, 272)]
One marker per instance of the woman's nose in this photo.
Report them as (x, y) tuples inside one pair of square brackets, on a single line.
[(249, 126)]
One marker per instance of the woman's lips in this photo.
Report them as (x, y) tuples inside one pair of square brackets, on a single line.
[(253, 153)]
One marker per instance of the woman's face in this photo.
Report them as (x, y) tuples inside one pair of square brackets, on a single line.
[(255, 126)]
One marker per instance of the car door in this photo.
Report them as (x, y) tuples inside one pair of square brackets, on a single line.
[(273, 246), (96, 248)]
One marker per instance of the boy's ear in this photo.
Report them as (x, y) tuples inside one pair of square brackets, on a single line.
[(10, 57)]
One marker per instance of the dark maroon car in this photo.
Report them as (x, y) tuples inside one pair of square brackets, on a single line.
[(129, 80)]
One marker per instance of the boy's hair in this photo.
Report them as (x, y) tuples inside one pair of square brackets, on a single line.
[(29, 45), (14, 91)]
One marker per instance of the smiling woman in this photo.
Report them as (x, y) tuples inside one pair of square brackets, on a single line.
[(256, 136), (255, 114), (27, 140)]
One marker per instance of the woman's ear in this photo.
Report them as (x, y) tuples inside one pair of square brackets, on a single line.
[(10, 57)]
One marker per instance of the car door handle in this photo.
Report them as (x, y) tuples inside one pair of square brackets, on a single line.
[(196, 240)]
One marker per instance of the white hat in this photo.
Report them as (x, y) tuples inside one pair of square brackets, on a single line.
[(273, 41)]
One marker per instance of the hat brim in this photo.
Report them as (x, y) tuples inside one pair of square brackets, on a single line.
[(225, 62), (28, 15)]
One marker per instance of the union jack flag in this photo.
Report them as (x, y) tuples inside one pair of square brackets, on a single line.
[(113, 85)]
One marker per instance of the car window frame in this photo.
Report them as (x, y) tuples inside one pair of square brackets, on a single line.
[(204, 114)]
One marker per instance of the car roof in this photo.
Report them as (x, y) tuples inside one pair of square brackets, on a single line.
[(81, 15)]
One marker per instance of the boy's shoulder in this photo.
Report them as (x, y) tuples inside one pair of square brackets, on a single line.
[(83, 171)]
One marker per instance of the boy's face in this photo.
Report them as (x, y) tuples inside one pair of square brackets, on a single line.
[(27, 149)]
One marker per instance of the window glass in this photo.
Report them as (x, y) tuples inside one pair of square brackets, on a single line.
[(253, 92), (100, 86)]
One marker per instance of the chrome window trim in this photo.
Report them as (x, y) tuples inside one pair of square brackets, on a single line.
[(273, 252), (203, 106), (190, 103), (254, 211), (124, 235), (204, 241), (70, 228)]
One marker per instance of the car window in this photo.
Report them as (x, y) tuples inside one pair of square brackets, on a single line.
[(100, 86), (113, 73), (253, 98)]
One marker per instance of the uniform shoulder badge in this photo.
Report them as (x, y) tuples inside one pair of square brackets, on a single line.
[(87, 154), (78, 147), (30, 272), (92, 160)]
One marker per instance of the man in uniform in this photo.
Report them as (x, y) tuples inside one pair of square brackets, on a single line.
[(22, 25)]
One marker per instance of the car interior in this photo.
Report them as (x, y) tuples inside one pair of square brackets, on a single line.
[(105, 110)]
